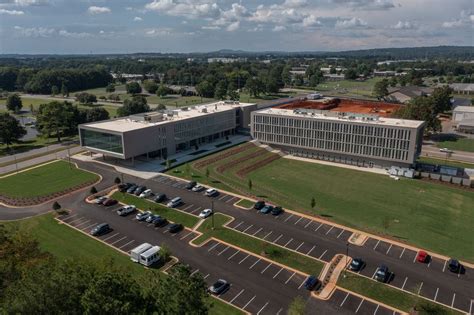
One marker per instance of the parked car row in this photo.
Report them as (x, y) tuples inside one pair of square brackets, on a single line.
[(261, 207), (105, 201)]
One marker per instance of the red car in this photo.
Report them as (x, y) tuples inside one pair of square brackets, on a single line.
[(422, 256), (109, 202)]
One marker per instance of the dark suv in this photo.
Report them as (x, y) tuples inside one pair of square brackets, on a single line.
[(454, 265), (312, 283), (259, 205), (100, 229), (190, 185), (382, 274)]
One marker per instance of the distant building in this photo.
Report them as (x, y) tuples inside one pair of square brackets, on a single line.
[(466, 126), (225, 60), (405, 94), (463, 88), (388, 73), (461, 113)]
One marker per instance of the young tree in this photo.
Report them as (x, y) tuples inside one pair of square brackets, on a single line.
[(10, 129), (110, 88), (297, 306), (442, 99), (350, 74), (380, 89), (205, 89), (56, 206), (313, 203), (14, 103), (207, 172), (54, 90), (86, 98), (150, 86), (133, 88), (255, 86), (162, 90), (64, 90), (93, 190), (136, 105), (165, 253), (250, 184), (117, 180), (96, 114), (221, 90)]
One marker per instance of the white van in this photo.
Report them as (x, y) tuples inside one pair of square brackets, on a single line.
[(174, 202), (151, 256), (137, 251), (146, 193)]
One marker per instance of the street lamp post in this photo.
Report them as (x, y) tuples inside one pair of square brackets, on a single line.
[(212, 213), (347, 258)]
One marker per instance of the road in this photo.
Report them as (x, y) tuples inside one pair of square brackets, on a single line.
[(433, 151)]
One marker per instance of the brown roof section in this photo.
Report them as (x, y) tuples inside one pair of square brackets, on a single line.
[(346, 105)]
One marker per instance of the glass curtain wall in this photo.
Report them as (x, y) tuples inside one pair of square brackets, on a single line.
[(102, 141)]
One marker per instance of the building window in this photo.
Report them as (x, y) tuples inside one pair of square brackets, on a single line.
[(102, 141)]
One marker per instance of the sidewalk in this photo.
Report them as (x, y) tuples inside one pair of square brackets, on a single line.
[(46, 149)]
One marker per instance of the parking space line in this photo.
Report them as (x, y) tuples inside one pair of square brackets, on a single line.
[(429, 263), (375, 272), (191, 205), (470, 307), (233, 255), (217, 243), (320, 225), (340, 234), (404, 282), (192, 273), (89, 226), (454, 297), (74, 215), (223, 251), (182, 238), (402, 253), (444, 267), (419, 289), (236, 296), (307, 224), (206, 276), (288, 217), (83, 223), (343, 301), (299, 246), (257, 231), (279, 311), (386, 253), (288, 242), (277, 239), (332, 226), (360, 305), (414, 258), (110, 237), (376, 244), (126, 244), (278, 273), (262, 308), (247, 228), (231, 199), (235, 227), (118, 240), (376, 309), (310, 250), (304, 280), (222, 197), (266, 268), (75, 220), (436, 295), (249, 302), (298, 220), (244, 259), (267, 235), (254, 263), (196, 210), (286, 282), (323, 254)]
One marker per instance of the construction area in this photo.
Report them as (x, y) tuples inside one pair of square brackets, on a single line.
[(381, 109)]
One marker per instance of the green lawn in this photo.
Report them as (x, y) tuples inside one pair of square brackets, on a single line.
[(245, 203), (390, 296), (348, 87), (428, 215), (463, 144), (38, 142), (445, 162), (187, 220), (45, 180), (66, 243), (259, 247)]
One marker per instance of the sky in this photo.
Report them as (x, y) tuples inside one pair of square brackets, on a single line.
[(129, 26)]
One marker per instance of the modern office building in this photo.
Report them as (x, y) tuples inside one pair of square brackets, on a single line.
[(162, 134), (352, 138)]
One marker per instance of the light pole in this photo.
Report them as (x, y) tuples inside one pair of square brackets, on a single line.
[(212, 213), (347, 258)]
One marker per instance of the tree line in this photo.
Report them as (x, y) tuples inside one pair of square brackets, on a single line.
[(34, 282)]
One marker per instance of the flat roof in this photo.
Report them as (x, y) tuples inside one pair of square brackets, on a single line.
[(464, 109), (339, 116), (136, 121)]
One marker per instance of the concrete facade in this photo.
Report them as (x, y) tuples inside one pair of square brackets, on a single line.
[(165, 133), (356, 139)]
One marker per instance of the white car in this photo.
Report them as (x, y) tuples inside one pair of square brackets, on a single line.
[(126, 210), (141, 216), (211, 192), (198, 188), (146, 193), (99, 200), (205, 213)]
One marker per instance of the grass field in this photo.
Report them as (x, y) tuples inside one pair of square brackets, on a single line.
[(390, 296), (463, 144), (254, 245), (349, 87), (38, 142), (170, 214), (66, 243), (420, 213), (445, 162), (44, 180), (245, 203)]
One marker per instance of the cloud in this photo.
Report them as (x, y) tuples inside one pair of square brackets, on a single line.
[(98, 10), (28, 3), (354, 22), (233, 26), (211, 27), (137, 19), (65, 33), (466, 18), (185, 8), (157, 32), (35, 32), (279, 28), (11, 12), (404, 25), (366, 4)]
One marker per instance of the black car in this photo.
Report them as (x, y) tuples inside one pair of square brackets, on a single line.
[(160, 221), (175, 228), (190, 185), (454, 265), (382, 274), (219, 287), (259, 205), (160, 198), (132, 188), (100, 229), (356, 264), (312, 283), (123, 187), (277, 210), (139, 190)]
